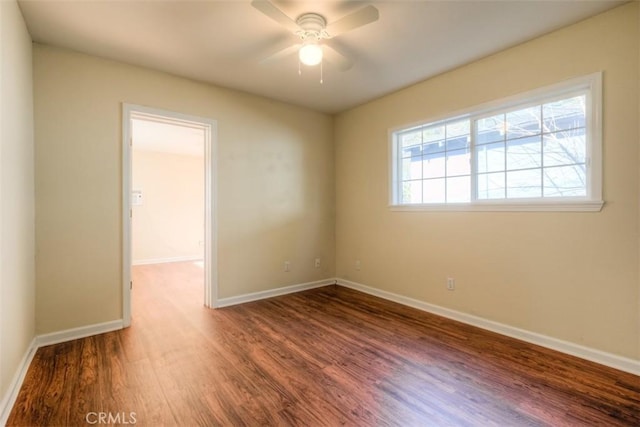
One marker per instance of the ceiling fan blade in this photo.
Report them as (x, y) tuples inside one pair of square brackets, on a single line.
[(276, 14), (281, 53), (357, 19), (336, 58)]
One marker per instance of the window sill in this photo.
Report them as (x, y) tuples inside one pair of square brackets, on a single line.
[(513, 206)]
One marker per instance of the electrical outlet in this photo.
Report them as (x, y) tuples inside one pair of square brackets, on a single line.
[(451, 283), (358, 264), (287, 266), (317, 264)]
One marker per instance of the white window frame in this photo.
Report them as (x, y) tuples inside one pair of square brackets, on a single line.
[(593, 201)]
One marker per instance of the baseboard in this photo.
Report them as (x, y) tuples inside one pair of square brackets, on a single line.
[(593, 355), (166, 260), (75, 333), (11, 395), (255, 296)]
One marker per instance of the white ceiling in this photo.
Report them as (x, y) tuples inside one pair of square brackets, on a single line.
[(222, 42), (167, 138)]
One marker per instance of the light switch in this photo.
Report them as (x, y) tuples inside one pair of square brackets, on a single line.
[(136, 198)]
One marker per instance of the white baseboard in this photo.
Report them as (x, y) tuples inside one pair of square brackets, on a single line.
[(75, 333), (608, 359), (9, 399), (255, 296), (166, 260)]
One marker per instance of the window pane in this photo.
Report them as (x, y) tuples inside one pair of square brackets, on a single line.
[(412, 192), (491, 185), (565, 181), (414, 151), (523, 122), (433, 147), (490, 157), (410, 138), (458, 163), (524, 153), (459, 189), (565, 147), (457, 143), (524, 184), (434, 191), (434, 165), (433, 133), (490, 129), (564, 114), (458, 135), (411, 169)]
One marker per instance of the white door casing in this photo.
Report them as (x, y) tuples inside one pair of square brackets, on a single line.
[(209, 127)]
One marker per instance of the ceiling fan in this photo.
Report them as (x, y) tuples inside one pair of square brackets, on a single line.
[(313, 31)]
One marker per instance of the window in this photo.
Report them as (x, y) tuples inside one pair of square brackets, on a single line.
[(535, 151)]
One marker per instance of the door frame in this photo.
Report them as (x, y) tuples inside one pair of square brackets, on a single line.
[(209, 126)]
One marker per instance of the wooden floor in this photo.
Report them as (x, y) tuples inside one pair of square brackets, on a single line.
[(325, 357)]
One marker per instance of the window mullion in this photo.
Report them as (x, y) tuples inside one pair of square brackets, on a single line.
[(506, 154), (399, 179), (422, 181), (472, 158), (399, 173), (542, 150)]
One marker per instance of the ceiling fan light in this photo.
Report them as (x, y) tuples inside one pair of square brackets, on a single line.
[(310, 54)]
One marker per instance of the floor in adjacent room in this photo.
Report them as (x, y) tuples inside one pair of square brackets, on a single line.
[(325, 357)]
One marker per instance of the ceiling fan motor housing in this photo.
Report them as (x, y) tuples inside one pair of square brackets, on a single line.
[(312, 26)]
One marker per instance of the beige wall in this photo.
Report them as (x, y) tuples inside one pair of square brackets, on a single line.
[(169, 225), (572, 276), (17, 269), (275, 184)]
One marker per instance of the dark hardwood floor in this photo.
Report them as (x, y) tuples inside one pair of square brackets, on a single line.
[(325, 357)]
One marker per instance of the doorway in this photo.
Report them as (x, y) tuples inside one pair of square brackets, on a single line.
[(154, 138)]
